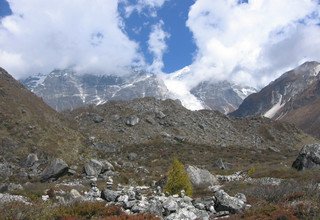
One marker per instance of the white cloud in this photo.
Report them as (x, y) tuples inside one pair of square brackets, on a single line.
[(252, 43), (83, 34), (157, 46), (141, 5)]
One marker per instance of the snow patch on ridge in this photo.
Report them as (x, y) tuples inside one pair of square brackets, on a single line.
[(272, 111)]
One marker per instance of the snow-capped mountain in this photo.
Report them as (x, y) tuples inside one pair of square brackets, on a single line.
[(66, 89), (222, 96), (275, 100)]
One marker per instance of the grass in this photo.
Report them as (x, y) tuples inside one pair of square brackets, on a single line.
[(74, 211)]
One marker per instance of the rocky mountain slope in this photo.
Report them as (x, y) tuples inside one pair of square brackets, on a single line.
[(28, 125), (119, 152), (293, 97), (150, 127), (65, 90)]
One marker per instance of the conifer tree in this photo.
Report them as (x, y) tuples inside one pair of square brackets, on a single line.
[(178, 179)]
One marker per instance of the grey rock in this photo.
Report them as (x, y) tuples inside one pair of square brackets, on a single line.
[(220, 164), (93, 168), (123, 198), (106, 166), (155, 207), (110, 195), (241, 196), (160, 114), (224, 202), (170, 205), (7, 198), (5, 170), (31, 160), (132, 120), (54, 170), (98, 119), (132, 156), (182, 214), (309, 157), (75, 194), (200, 177), (140, 206)]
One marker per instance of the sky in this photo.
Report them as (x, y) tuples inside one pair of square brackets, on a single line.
[(250, 42)]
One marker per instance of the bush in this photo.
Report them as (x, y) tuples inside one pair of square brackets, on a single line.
[(178, 179)]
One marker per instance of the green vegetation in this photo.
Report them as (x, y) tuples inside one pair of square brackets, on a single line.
[(178, 179)]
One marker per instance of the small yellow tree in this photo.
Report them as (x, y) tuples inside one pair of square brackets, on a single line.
[(178, 179)]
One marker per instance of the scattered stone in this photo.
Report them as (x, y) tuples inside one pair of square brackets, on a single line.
[(160, 114), (5, 170), (241, 196), (150, 120), (98, 119), (132, 156), (132, 120), (31, 160), (309, 157), (170, 205), (93, 168), (7, 198), (220, 164), (54, 170), (200, 177), (75, 194)]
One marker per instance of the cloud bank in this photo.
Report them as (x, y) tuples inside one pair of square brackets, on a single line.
[(254, 42), (82, 34)]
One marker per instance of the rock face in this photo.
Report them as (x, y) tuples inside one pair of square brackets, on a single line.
[(54, 170), (201, 177), (294, 97), (309, 157)]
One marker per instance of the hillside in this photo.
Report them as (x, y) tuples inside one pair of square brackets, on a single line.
[(28, 125)]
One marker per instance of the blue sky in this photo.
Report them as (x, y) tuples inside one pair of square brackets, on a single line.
[(246, 41), (180, 44)]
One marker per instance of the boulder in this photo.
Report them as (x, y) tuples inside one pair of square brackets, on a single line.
[(132, 120), (54, 170), (93, 168), (309, 157), (224, 202), (110, 195), (201, 177)]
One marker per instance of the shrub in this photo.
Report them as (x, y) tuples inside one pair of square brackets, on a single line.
[(178, 179), (251, 171)]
